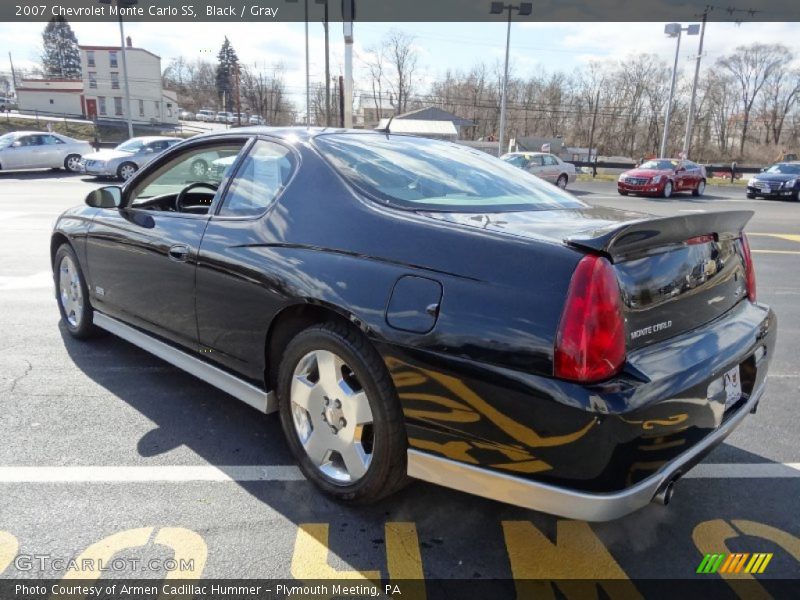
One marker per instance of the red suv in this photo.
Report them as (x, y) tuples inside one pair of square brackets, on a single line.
[(662, 177)]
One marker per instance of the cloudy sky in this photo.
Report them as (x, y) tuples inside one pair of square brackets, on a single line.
[(440, 46)]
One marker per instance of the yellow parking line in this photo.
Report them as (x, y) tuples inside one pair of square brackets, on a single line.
[(784, 236)]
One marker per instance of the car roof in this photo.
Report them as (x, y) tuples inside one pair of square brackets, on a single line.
[(153, 138), (294, 133)]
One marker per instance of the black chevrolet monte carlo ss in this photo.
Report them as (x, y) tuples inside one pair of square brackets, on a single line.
[(415, 308)]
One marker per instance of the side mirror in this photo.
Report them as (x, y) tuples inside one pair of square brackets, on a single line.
[(105, 197), (763, 169), (17, 144)]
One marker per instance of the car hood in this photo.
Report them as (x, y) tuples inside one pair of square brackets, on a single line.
[(547, 225), (107, 155), (647, 172), (776, 176)]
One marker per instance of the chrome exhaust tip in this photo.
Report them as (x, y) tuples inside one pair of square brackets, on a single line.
[(664, 495)]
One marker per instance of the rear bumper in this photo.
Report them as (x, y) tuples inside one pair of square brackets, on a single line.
[(590, 452), (563, 501)]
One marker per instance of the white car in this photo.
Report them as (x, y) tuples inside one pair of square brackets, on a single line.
[(257, 120), (225, 117), (127, 158), (546, 166), (185, 115), (205, 115), (41, 150)]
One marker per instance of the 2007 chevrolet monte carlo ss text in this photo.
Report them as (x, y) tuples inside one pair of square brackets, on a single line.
[(416, 308)]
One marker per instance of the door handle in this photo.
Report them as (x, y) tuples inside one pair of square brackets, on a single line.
[(179, 252)]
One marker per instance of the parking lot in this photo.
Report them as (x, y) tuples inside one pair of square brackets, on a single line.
[(109, 451)]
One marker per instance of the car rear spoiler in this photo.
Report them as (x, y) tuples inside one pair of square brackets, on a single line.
[(631, 238)]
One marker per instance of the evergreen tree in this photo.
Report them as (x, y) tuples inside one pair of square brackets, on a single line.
[(61, 57), (227, 67)]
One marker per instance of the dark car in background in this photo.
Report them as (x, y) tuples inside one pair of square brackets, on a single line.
[(412, 307), (781, 180), (663, 177)]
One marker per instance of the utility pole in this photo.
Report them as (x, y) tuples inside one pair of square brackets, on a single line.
[(327, 71), (238, 97), (13, 73), (687, 139), (348, 16), (594, 120), (125, 76)]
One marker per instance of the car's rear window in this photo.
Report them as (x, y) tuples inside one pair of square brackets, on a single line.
[(424, 174)]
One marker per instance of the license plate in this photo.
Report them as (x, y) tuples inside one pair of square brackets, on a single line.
[(766, 189), (733, 387)]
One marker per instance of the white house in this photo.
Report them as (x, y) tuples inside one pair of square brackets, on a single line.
[(101, 93)]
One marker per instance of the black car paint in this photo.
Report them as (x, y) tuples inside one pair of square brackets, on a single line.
[(478, 386), (776, 183)]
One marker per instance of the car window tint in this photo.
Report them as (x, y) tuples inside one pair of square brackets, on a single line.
[(420, 173), (263, 174), (51, 139), (550, 161), (194, 165), (31, 140)]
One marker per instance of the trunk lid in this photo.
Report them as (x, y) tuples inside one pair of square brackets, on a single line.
[(675, 273)]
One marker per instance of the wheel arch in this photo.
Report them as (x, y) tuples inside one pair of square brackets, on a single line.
[(293, 319), (56, 241)]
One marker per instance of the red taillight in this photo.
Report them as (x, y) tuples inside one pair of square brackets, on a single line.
[(749, 271), (590, 344)]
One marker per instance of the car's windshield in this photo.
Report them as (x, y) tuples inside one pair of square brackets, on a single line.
[(130, 146), (661, 164), (420, 173), (785, 168)]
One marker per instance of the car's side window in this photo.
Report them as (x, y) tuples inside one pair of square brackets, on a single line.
[(536, 161), (262, 176), (51, 140), (203, 168), (550, 161), (30, 140)]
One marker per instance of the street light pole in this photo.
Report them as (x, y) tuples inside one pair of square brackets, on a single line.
[(687, 140), (524, 9), (674, 30)]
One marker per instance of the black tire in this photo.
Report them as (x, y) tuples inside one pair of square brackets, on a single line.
[(751, 196), (386, 472), (72, 163), (621, 193), (84, 325), (701, 187), (124, 171), (199, 168), (795, 196), (562, 181), (668, 190)]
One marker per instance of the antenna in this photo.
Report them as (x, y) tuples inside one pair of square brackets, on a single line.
[(388, 125)]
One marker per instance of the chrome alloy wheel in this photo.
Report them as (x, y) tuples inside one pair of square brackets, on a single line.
[(74, 163), (332, 416), (70, 293), (126, 172)]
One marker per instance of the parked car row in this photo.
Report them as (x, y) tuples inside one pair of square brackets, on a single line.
[(209, 116)]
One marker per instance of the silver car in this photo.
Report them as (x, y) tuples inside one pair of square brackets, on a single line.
[(544, 165), (41, 150), (127, 158)]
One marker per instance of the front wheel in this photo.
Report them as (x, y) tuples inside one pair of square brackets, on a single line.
[(562, 181), (621, 193), (701, 187), (199, 168), (341, 415), (72, 293), (73, 163), (126, 170), (667, 190)]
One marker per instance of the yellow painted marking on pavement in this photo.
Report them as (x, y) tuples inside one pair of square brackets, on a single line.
[(576, 554), (310, 558), (403, 559), (784, 236), (103, 551), (710, 537), (189, 548), (8, 549)]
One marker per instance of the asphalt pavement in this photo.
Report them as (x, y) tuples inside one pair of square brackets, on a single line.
[(108, 451)]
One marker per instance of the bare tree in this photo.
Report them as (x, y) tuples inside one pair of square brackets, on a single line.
[(401, 59), (781, 94), (752, 66), (375, 66)]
